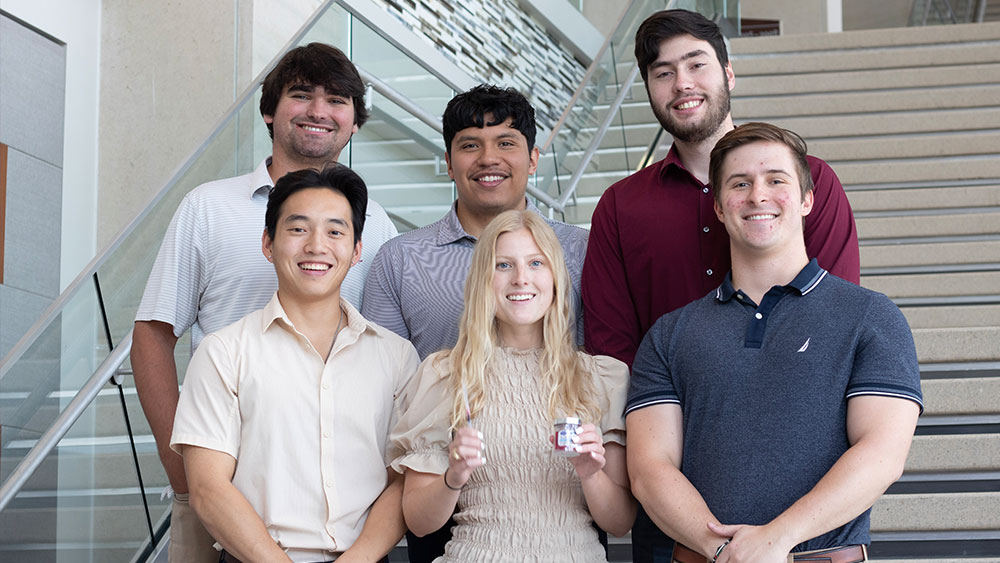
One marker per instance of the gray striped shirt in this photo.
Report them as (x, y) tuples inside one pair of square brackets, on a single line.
[(417, 282), (210, 271)]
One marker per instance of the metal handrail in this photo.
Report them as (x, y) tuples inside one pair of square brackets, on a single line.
[(48, 441), (588, 155), (594, 65)]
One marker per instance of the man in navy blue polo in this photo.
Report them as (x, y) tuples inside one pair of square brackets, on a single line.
[(766, 418)]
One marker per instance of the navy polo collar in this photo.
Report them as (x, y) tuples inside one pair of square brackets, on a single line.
[(804, 282)]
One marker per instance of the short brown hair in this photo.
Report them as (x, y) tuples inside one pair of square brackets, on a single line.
[(667, 24), (756, 132)]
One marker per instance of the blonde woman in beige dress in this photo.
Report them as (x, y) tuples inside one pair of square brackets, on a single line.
[(513, 372)]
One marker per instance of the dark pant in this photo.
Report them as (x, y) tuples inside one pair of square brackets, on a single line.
[(425, 549), (649, 543)]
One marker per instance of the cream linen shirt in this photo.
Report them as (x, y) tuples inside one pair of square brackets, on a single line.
[(310, 437)]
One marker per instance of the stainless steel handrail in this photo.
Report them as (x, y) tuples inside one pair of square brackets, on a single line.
[(588, 155), (69, 415), (594, 65)]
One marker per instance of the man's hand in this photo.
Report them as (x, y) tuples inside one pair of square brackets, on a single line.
[(750, 544)]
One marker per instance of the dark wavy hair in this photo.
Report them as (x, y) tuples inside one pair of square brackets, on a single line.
[(469, 109), (316, 64), (335, 177), (667, 24)]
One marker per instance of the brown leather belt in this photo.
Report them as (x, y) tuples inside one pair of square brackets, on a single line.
[(846, 554)]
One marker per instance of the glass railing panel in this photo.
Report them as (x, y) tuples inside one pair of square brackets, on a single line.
[(33, 390), (590, 111), (84, 503)]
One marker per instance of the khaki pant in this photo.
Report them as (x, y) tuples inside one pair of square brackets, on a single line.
[(189, 540)]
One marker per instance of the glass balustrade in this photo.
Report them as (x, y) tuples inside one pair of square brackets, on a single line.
[(85, 501)]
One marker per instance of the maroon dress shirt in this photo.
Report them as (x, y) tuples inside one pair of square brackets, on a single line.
[(656, 245)]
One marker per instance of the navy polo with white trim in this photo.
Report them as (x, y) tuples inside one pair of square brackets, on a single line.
[(764, 388)]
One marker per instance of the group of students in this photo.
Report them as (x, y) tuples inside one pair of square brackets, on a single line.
[(763, 419)]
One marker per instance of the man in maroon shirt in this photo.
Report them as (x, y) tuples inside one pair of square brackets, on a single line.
[(655, 233), (655, 241)]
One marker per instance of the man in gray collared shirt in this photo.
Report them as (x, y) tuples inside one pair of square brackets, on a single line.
[(415, 285)]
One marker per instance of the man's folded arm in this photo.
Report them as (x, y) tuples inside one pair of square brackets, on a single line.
[(655, 444), (224, 510)]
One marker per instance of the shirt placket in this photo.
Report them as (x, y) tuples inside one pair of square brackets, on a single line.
[(328, 414)]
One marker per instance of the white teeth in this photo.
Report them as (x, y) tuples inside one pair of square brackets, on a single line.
[(761, 217), (519, 297), (317, 129), (317, 267), (689, 105), (489, 179)]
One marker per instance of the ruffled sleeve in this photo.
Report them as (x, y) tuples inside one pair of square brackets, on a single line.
[(421, 432), (611, 381)]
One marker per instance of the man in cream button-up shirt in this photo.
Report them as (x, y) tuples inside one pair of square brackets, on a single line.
[(284, 416)]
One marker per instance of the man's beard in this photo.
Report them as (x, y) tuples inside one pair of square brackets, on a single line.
[(718, 106)]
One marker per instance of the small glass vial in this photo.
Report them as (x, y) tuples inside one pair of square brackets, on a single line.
[(566, 430)]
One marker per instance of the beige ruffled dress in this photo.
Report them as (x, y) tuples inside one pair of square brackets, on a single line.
[(525, 504)]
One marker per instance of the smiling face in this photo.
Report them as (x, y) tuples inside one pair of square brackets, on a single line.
[(760, 199), (689, 89), (490, 166), (310, 126), (313, 246), (523, 286)]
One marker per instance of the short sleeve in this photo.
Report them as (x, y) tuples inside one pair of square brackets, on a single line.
[(174, 286), (885, 361), (402, 395), (422, 431), (611, 381), (651, 382), (208, 413)]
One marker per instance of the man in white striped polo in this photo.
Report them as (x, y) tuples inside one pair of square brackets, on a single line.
[(417, 280), (210, 272)]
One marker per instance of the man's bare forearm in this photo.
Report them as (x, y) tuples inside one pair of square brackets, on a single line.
[(155, 375), (223, 509), (384, 527)]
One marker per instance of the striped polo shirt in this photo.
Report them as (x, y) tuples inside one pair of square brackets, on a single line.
[(210, 270), (417, 282)]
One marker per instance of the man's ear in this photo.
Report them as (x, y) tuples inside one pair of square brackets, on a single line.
[(533, 159), (265, 245), (807, 203)]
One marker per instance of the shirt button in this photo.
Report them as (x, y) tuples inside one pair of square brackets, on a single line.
[(326, 434), (705, 229), (759, 316), (704, 190), (326, 386), (708, 271), (738, 296), (329, 483)]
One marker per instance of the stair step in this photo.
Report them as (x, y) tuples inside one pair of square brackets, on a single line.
[(962, 396), (889, 38), (928, 225), (953, 316), (937, 512), (960, 344), (929, 285), (876, 256), (899, 146), (925, 198), (859, 80), (874, 125), (919, 56), (975, 452), (766, 108)]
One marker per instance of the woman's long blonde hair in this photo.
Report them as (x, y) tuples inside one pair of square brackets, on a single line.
[(570, 388)]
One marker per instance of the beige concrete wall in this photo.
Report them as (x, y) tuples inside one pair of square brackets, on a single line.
[(865, 14), (796, 16), (168, 72)]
